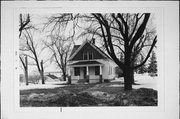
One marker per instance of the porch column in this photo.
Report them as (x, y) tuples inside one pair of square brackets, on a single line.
[(100, 76), (87, 74), (100, 68)]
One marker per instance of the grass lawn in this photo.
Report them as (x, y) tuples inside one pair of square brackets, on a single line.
[(104, 94)]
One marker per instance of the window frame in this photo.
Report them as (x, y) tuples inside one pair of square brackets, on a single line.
[(97, 70), (110, 70), (85, 53), (91, 53)]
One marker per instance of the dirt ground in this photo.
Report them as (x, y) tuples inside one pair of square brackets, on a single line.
[(104, 94)]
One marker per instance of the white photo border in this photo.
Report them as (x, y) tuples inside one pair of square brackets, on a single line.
[(90, 7)]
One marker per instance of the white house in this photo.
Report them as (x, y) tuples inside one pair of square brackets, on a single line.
[(88, 63)]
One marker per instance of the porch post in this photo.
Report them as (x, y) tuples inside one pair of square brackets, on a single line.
[(100, 76), (87, 74), (100, 68)]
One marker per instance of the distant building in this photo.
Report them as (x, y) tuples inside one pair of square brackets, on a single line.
[(88, 63)]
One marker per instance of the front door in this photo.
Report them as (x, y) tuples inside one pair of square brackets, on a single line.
[(84, 72)]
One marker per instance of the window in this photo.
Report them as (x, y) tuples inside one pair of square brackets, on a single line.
[(77, 71), (97, 70), (110, 70), (90, 55), (85, 55)]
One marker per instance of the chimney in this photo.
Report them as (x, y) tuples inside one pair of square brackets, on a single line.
[(93, 41)]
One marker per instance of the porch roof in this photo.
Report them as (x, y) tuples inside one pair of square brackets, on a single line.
[(87, 63)]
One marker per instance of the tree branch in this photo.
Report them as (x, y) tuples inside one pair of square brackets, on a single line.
[(148, 55), (140, 30), (119, 47)]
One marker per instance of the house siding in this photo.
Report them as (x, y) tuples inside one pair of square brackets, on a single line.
[(113, 74), (105, 69)]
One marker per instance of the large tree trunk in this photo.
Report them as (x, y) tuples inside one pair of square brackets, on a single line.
[(128, 77), (132, 76)]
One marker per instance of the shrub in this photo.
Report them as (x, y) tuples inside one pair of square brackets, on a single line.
[(139, 97), (119, 72), (34, 79), (21, 78), (106, 80), (66, 98)]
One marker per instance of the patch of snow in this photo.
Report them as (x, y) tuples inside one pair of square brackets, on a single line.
[(115, 85), (118, 79), (143, 81), (41, 96), (33, 95), (97, 93), (102, 95), (47, 85)]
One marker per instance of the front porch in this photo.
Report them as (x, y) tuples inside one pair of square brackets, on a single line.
[(86, 71)]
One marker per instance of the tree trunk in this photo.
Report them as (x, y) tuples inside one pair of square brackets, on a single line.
[(42, 77), (69, 79), (64, 76), (26, 76), (42, 73), (132, 76), (128, 77), (26, 70)]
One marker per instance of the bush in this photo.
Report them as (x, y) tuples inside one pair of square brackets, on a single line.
[(119, 72), (152, 74), (66, 98), (33, 78), (21, 78), (139, 97), (106, 80)]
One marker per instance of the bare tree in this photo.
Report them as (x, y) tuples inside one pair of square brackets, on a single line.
[(57, 23), (60, 48), (24, 21), (59, 43), (25, 67), (29, 48), (125, 33)]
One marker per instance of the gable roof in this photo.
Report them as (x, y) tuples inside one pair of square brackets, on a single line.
[(101, 51), (77, 48), (74, 49)]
